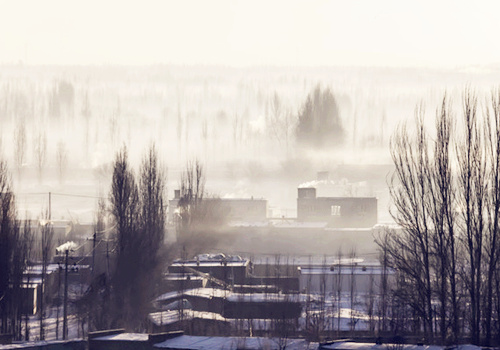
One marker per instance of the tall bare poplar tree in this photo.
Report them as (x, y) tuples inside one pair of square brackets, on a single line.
[(473, 182), (410, 249), (443, 217), (47, 245), (492, 238), (124, 210), (139, 214), (15, 248)]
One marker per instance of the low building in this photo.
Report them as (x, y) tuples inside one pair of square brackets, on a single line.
[(233, 209), (226, 268), (186, 342), (337, 212), (119, 340), (361, 276), (349, 345), (75, 344)]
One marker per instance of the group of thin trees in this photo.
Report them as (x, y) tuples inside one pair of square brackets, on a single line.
[(200, 217), (16, 243), (137, 207), (446, 200)]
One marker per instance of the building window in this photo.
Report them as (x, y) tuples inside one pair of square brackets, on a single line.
[(335, 210)]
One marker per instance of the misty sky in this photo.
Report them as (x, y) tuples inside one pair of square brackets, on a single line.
[(340, 32)]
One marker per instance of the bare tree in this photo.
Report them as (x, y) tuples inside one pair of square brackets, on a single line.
[(442, 215), (26, 248), (352, 290), (20, 145), (410, 250), (383, 243), (40, 152), (14, 249), (492, 140), (62, 160), (124, 207), (338, 293), (152, 220), (47, 235), (473, 182), (279, 121), (139, 215), (200, 216)]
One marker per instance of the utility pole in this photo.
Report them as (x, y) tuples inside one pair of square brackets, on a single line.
[(59, 268), (65, 320), (107, 259), (93, 251)]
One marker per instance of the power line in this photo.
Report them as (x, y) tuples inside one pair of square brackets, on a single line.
[(60, 194)]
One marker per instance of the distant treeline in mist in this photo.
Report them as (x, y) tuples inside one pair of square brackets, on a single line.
[(60, 117)]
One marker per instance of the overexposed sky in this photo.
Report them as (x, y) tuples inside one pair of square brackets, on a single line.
[(241, 33)]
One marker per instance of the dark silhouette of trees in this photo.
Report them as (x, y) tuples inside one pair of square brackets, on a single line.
[(492, 140), (201, 217), (62, 160), (446, 197), (20, 141), (139, 214), (40, 152), (124, 200), (15, 248), (410, 250), (47, 245), (279, 122), (319, 123)]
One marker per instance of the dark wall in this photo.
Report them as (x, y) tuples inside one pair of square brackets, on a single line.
[(339, 212)]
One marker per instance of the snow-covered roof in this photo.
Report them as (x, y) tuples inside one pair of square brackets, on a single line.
[(343, 270), (465, 347), (37, 269), (264, 297), (37, 344), (182, 277), (125, 337), (233, 343), (299, 224), (247, 223), (210, 263), (197, 292), (168, 317), (372, 346), (209, 293)]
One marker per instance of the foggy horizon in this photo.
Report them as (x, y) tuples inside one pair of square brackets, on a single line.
[(245, 34)]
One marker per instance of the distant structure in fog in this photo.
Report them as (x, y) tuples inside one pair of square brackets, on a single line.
[(235, 209), (337, 212)]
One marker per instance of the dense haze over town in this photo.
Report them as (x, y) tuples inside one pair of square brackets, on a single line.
[(318, 170), (198, 80)]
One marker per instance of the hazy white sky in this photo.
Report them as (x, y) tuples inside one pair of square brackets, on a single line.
[(337, 32)]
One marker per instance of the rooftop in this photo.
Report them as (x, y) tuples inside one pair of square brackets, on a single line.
[(233, 343)]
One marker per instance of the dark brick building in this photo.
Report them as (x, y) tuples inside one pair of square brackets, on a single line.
[(337, 212)]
